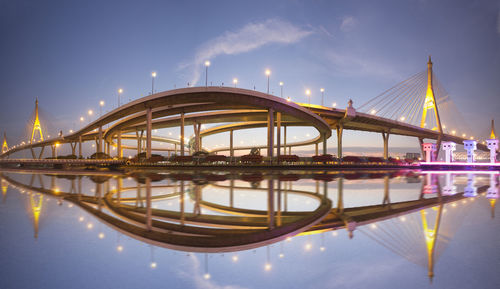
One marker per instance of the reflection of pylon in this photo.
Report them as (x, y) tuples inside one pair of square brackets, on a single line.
[(5, 147), (431, 237), (36, 209), (36, 125)]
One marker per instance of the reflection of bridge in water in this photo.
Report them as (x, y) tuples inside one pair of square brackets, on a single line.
[(404, 227)]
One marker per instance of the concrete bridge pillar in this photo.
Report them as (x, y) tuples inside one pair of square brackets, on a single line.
[(470, 146), (270, 133), (119, 151), (316, 149), (99, 146), (325, 150), (448, 147), (493, 146), (470, 189), (80, 147), (149, 128), (449, 189), (278, 134), (340, 131), (429, 149), (385, 136), (231, 149), (182, 133), (284, 139)]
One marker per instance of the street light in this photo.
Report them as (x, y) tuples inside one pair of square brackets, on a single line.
[(101, 104), (322, 96), (308, 93), (153, 76), (81, 118), (207, 64), (120, 91), (281, 88), (235, 81), (90, 112), (268, 72)]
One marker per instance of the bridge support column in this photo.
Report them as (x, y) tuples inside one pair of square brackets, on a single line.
[(270, 203), (32, 153), (148, 205), (231, 149), (54, 153), (119, 152), (385, 136), (278, 134), (325, 150), (316, 150), (80, 147), (182, 133), (149, 127), (470, 146), (340, 131), (196, 129), (270, 134), (429, 149), (448, 147), (99, 146), (284, 140)]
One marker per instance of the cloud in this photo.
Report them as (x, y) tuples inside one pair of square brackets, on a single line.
[(250, 37), (348, 23), (354, 65)]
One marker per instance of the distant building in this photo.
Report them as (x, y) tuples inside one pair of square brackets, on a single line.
[(412, 156)]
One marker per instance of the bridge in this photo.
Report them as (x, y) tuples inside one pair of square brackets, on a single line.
[(240, 109)]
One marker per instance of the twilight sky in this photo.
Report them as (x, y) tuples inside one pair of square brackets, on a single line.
[(72, 54)]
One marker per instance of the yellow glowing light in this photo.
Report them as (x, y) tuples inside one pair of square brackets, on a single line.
[(235, 80), (281, 83), (288, 239), (402, 118), (373, 111), (322, 249), (308, 246), (373, 226), (90, 112), (322, 89), (464, 135), (282, 255), (101, 103), (101, 235), (334, 233), (206, 276), (81, 219), (120, 91), (268, 267), (288, 99), (207, 63), (119, 248), (153, 74), (308, 92), (268, 72), (70, 131), (453, 132), (402, 219), (334, 104), (81, 118), (471, 137), (153, 265), (235, 258), (90, 226)]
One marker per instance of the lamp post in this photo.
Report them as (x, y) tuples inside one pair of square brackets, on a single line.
[(281, 88), (308, 93), (268, 73), (153, 76), (101, 104), (207, 64), (322, 96), (235, 81), (120, 91)]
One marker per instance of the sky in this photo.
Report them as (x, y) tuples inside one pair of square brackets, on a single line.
[(72, 54)]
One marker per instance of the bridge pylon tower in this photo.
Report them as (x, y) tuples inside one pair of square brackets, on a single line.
[(36, 125), (431, 103), (36, 209), (431, 235), (5, 146)]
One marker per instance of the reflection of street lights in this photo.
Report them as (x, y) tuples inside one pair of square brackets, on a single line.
[(207, 64), (153, 76), (308, 93), (101, 104), (322, 96), (235, 81), (268, 72), (281, 87), (55, 150), (120, 91)]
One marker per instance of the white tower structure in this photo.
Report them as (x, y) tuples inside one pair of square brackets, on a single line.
[(492, 143), (470, 146), (449, 147), (429, 149)]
